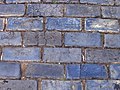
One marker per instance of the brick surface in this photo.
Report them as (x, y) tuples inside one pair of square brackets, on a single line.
[(103, 25), (117, 2), (22, 1), (61, 85), (18, 85), (83, 39), (25, 24), (63, 1), (21, 54), (9, 70), (45, 10), (12, 10), (1, 24), (102, 55), (45, 71), (62, 55), (63, 24), (82, 10)]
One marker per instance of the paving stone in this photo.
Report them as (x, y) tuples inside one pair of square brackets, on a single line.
[(2, 24), (63, 1), (117, 2), (62, 55), (61, 85), (21, 54), (45, 71), (22, 1)]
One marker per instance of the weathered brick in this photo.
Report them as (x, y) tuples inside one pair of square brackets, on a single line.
[(103, 25), (102, 55), (111, 12), (83, 39), (61, 85), (101, 2), (12, 10), (18, 85), (22, 1), (9, 70), (21, 54), (1, 24), (112, 40), (63, 24), (45, 10), (24, 23), (63, 1), (82, 10), (102, 85), (45, 71), (117, 2), (10, 38), (62, 55), (115, 71)]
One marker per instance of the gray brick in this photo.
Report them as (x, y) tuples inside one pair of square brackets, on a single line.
[(21, 54), (12, 10), (18, 85), (45, 10), (9, 70), (10, 38), (24, 23), (82, 10), (102, 55), (45, 71), (22, 1), (1, 24), (62, 55), (61, 85), (117, 2), (111, 12), (83, 39), (103, 25), (63, 24), (63, 1), (112, 40), (101, 2), (102, 85)]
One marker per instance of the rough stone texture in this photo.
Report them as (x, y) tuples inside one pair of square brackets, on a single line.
[(82, 10), (45, 71), (1, 24), (1, 1), (61, 85), (25, 24), (21, 54), (62, 1), (83, 39), (12, 9), (103, 25), (18, 85), (117, 2), (62, 55), (9, 71), (112, 40), (45, 10), (10, 38), (63, 24), (102, 55), (22, 1), (103, 85)]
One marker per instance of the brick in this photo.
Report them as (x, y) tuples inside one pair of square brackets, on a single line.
[(12, 10), (10, 38), (101, 2), (102, 55), (45, 10), (63, 24), (115, 71), (24, 23), (62, 55), (62, 1), (111, 12), (1, 24), (45, 71), (21, 54), (83, 39), (9, 70), (82, 10), (102, 85), (22, 1), (102, 25), (61, 85), (112, 40), (117, 2), (1, 1), (18, 85)]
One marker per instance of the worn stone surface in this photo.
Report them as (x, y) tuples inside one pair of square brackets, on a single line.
[(63, 1), (22, 1), (1, 24), (117, 2)]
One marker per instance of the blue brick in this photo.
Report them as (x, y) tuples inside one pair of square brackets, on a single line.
[(9, 70), (1, 24), (103, 25), (21, 54), (83, 39), (22, 1), (63, 24), (45, 71)]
